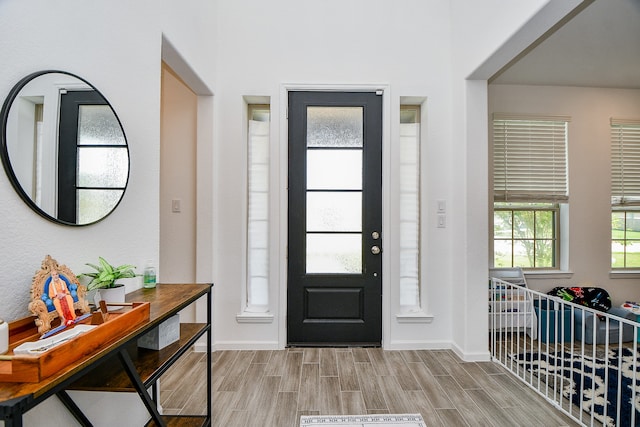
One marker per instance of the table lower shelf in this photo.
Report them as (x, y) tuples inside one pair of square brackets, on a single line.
[(150, 364)]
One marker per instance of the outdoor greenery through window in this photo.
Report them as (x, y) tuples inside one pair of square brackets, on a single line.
[(625, 239), (625, 193), (525, 235), (529, 188)]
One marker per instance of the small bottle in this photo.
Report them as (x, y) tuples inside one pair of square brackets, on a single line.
[(149, 276)]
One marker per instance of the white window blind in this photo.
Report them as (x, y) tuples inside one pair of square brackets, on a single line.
[(529, 158), (410, 210), (625, 162), (258, 212)]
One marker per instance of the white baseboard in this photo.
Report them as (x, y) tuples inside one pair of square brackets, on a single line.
[(245, 345), (417, 345), (480, 356)]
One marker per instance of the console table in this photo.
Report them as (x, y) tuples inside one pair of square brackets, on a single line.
[(123, 366)]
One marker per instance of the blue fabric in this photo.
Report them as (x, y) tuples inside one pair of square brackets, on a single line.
[(588, 374)]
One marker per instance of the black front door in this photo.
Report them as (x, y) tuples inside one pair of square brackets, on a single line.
[(334, 292)]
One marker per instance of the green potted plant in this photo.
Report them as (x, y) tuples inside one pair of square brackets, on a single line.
[(104, 281)]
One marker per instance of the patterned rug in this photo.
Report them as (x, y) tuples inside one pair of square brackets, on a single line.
[(403, 420), (583, 380)]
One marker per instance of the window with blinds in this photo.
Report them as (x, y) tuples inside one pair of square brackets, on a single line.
[(625, 162), (625, 194), (530, 158)]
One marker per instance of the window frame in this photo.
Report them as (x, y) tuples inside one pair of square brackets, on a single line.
[(625, 175), (555, 208), (517, 183), (251, 306), (626, 211), (410, 221)]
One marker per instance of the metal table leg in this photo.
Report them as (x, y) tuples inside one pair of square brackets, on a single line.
[(130, 369)]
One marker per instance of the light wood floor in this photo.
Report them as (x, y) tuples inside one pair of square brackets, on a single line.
[(274, 388)]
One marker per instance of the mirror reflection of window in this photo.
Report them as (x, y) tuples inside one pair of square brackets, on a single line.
[(92, 158), (37, 158), (102, 162), (74, 178)]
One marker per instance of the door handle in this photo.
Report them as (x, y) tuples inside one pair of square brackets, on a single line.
[(375, 250)]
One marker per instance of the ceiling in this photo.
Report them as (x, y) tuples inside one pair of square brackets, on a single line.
[(599, 47)]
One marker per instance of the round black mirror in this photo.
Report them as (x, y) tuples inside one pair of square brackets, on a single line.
[(63, 148)]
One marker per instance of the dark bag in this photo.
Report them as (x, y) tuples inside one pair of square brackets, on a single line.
[(596, 298)]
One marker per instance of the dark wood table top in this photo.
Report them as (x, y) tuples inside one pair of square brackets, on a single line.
[(165, 300)]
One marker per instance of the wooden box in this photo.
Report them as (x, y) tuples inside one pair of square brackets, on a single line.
[(34, 368)]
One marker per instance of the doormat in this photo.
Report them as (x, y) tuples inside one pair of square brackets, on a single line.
[(383, 420)]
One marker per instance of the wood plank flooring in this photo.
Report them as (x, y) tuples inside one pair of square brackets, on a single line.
[(274, 388)]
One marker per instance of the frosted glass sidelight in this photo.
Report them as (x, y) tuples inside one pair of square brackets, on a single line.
[(259, 291), (334, 253), (103, 167), (334, 169), (258, 210), (332, 211), (97, 125), (334, 126), (409, 210)]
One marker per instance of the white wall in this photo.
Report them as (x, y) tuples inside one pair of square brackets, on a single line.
[(119, 53), (330, 44), (479, 32), (116, 46), (255, 48), (413, 48), (589, 154)]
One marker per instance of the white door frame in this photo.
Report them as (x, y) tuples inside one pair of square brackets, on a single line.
[(281, 195)]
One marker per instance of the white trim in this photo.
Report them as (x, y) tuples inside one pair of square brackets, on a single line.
[(419, 345), (282, 192), (624, 274), (246, 345), (480, 356), (616, 121), (205, 165), (248, 317), (420, 317), (531, 117)]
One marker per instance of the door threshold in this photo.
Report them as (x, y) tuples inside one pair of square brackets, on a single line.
[(334, 345)]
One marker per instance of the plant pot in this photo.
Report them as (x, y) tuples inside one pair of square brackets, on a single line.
[(110, 295)]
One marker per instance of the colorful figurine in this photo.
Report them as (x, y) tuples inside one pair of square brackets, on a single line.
[(62, 300)]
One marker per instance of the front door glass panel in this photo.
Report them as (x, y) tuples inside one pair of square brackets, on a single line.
[(334, 190)]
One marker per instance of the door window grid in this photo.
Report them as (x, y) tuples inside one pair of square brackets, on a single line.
[(258, 209), (409, 209), (334, 190)]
